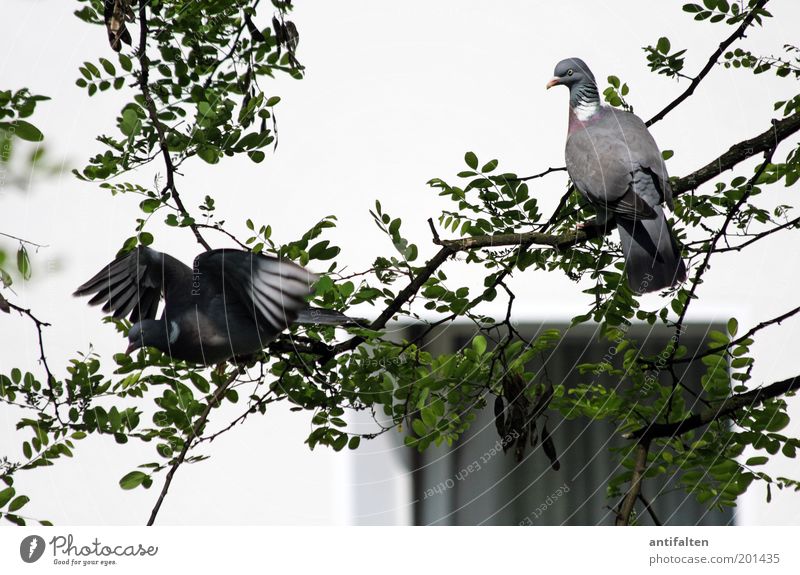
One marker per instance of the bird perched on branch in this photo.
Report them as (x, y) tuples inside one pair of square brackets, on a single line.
[(616, 165), (116, 13), (230, 303)]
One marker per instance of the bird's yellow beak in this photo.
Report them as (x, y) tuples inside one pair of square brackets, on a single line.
[(553, 82)]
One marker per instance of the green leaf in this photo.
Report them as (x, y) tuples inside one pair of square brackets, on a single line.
[(208, 154), (145, 238), (150, 205), (479, 344), (132, 480), (663, 45), (18, 503), (257, 156), (199, 382), (778, 421), (489, 166), (27, 131), (23, 263), (6, 495), (733, 326), (757, 460), (125, 62), (130, 124), (472, 160), (108, 67)]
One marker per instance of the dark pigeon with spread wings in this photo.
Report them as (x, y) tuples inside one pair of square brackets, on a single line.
[(231, 303), (616, 165)]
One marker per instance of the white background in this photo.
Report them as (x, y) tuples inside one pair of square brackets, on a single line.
[(395, 94)]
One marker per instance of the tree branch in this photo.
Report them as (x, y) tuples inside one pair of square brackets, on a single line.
[(400, 300), (542, 174), (42, 357), (152, 112), (738, 33), (727, 408), (766, 141), (761, 236), (23, 240), (703, 267), (626, 507), (769, 139), (195, 434), (739, 340)]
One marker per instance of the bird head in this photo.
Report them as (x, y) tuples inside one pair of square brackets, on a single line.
[(152, 333), (571, 72)]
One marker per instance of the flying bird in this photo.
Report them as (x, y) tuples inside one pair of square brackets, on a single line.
[(616, 165), (230, 303)]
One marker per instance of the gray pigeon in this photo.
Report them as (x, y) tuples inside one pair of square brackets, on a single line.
[(231, 303), (616, 165)]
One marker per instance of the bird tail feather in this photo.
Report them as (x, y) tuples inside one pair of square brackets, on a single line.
[(652, 256), (321, 316)]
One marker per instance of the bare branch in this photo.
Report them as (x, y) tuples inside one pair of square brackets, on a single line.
[(23, 240), (542, 174), (42, 356)]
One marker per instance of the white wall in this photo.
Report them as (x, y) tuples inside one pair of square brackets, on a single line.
[(395, 94)]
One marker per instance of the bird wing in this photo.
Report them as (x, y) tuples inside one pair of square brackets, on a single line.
[(134, 282), (269, 289)]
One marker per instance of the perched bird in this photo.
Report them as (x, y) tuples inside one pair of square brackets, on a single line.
[(116, 13), (616, 165), (230, 303)]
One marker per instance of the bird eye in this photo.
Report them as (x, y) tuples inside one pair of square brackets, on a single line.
[(569, 72)]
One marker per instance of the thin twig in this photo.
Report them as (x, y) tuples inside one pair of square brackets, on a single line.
[(738, 340), (739, 33), (761, 236), (23, 240), (542, 174), (649, 509), (42, 356), (214, 401)]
